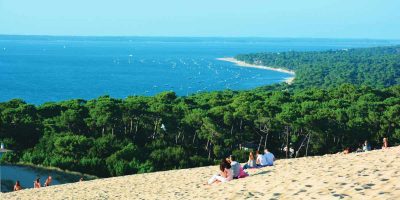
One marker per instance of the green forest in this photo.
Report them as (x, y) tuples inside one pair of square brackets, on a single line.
[(378, 67), (349, 96)]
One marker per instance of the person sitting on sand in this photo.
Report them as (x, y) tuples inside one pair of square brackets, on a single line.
[(251, 163), (261, 162), (359, 148), (48, 181), (385, 143), (225, 175), (17, 186), (235, 166), (346, 150), (269, 157), (366, 146), (81, 179), (36, 183)]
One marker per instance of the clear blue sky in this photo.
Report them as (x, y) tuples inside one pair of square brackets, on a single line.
[(261, 18)]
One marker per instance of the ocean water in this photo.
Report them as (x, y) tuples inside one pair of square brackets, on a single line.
[(40, 69), (9, 174)]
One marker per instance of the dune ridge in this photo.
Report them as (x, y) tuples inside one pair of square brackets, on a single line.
[(369, 175)]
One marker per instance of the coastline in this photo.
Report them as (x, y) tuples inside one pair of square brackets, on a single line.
[(244, 64), (56, 169), (67, 175)]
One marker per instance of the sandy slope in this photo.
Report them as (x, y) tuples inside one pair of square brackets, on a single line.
[(371, 175)]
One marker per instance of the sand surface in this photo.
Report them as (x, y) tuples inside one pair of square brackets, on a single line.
[(370, 175), (244, 64)]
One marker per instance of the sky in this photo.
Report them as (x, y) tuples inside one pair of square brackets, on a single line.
[(374, 19)]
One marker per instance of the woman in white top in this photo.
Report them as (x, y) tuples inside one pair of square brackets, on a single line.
[(226, 173)]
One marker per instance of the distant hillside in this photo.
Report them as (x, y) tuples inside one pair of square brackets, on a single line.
[(377, 67)]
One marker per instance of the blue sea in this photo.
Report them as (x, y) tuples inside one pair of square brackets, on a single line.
[(40, 69)]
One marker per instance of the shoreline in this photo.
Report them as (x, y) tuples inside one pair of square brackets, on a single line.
[(244, 64), (55, 169)]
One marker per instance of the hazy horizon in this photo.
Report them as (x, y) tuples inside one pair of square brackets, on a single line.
[(333, 19), (194, 36)]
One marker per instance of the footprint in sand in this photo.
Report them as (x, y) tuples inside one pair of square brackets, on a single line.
[(249, 194), (341, 196), (300, 191), (367, 186), (382, 193)]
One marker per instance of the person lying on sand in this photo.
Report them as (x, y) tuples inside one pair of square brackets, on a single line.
[(226, 173)]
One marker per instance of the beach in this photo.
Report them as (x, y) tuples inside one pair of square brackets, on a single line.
[(369, 175), (244, 64)]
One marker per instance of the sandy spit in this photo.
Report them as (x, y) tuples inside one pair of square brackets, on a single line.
[(244, 64), (370, 175)]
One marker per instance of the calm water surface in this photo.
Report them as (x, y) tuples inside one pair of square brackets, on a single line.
[(26, 175), (39, 69)]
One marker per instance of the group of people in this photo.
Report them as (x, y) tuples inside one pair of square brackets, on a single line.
[(366, 146), (230, 169), (36, 183)]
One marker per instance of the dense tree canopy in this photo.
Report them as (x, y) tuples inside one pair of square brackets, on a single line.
[(376, 67), (110, 137)]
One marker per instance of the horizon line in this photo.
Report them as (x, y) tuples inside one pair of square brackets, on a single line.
[(199, 36)]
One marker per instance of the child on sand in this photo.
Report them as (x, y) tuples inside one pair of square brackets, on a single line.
[(225, 175)]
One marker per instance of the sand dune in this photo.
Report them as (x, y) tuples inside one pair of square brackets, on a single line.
[(370, 175)]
